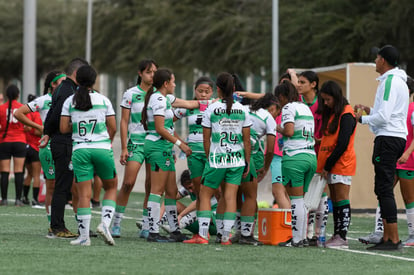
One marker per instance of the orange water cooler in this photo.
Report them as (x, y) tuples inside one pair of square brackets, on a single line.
[(275, 225)]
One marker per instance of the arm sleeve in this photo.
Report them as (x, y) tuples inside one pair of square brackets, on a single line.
[(347, 127)]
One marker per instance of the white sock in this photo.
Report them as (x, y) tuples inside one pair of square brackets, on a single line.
[(171, 213), (107, 213), (117, 219), (228, 224), (145, 222), (219, 226), (154, 203), (321, 215), (247, 223), (237, 222), (379, 226), (311, 224), (188, 219), (84, 222), (203, 225), (299, 220), (410, 221)]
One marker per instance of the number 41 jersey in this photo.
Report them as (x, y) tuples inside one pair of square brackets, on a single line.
[(89, 127), (302, 140)]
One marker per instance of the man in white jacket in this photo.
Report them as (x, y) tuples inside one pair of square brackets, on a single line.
[(387, 120)]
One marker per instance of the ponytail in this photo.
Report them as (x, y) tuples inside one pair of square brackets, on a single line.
[(12, 93), (225, 82), (144, 115), (85, 76)]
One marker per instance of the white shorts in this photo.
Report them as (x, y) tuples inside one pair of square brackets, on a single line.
[(333, 178)]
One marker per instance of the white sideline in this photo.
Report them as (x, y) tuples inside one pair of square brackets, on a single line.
[(375, 254)]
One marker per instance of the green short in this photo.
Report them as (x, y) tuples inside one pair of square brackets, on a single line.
[(159, 155), (258, 159), (86, 162), (196, 163), (298, 170), (46, 160), (405, 174), (212, 230), (135, 152), (252, 172), (212, 177)]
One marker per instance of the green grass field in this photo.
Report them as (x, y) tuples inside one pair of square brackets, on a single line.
[(24, 249)]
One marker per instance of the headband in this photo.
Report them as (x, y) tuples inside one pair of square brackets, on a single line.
[(56, 78)]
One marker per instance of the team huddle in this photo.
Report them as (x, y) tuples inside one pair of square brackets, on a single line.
[(233, 141)]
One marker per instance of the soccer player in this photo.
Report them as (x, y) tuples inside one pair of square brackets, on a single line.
[(91, 119)]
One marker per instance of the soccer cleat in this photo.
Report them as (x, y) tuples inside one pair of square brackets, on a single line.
[(143, 234), (177, 236), (218, 238), (386, 246), (248, 240), (313, 241), (226, 241), (290, 243), (104, 232), (50, 234), (236, 237), (409, 241), (138, 223), (3, 202), (25, 201), (18, 202), (64, 234), (373, 238), (284, 244), (35, 203), (337, 242), (165, 227), (157, 238), (82, 242), (116, 231), (196, 239)]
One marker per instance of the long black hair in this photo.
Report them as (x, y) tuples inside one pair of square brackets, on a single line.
[(143, 65), (288, 90), (264, 102), (331, 88), (48, 81), (160, 77), (311, 76), (225, 82), (86, 77), (12, 93)]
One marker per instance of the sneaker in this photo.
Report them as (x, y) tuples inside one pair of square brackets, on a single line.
[(116, 231), (25, 201), (305, 242), (143, 234), (18, 202), (103, 230), (313, 241), (95, 204), (236, 237), (373, 238), (284, 244), (197, 239), (4, 202), (248, 240), (218, 238), (409, 241), (50, 234), (386, 246), (337, 242), (177, 236), (157, 238), (82, 242), (35, 202), (290, 243), (64, 234)]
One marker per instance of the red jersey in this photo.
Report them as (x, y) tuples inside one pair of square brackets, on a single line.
[(15, 130), (31, 138)]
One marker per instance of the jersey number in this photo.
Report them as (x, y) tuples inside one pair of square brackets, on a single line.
[(231, 137), (82, 126), (307, 133)]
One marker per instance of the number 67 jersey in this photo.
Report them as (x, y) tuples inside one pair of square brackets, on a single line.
[(302, 140), (226, 149), (89, 127)]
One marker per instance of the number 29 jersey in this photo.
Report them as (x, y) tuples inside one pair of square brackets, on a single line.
[(302, 140), (89, 127), (226, 149)]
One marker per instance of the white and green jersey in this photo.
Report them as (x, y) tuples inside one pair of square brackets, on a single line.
[(134, 99), (195, 135), (41, 104), (226, 149), (89, 127), (262, 124), (159, 105), (302, 140)]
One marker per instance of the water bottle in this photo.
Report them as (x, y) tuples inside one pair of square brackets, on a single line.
[(182, 155), (322, 237), (237, 97)]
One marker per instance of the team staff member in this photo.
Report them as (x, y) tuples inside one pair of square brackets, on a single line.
[(42, 105), (61, 146), (91, 119), (336, 158), (226, 135), (387, 120), (12, 144)]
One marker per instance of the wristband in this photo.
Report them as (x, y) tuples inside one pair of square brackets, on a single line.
[(178, 143)]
